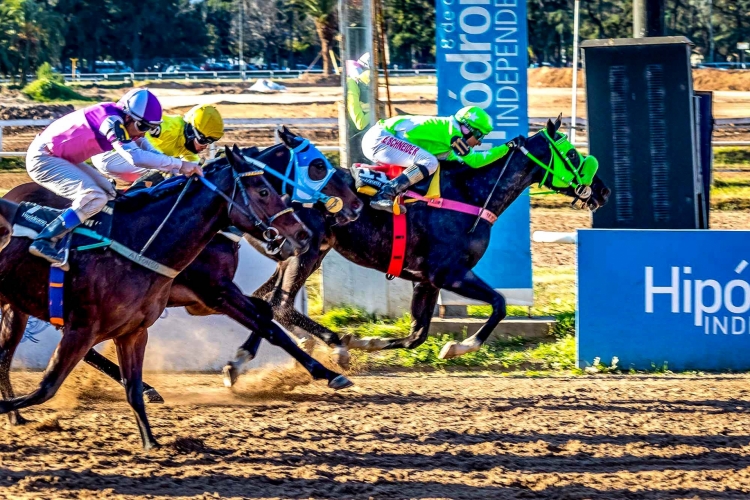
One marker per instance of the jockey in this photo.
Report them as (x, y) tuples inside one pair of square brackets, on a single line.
[(56, 157), (420, 142), (177, 136)]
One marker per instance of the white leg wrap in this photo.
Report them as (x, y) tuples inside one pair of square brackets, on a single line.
[(455, 349)]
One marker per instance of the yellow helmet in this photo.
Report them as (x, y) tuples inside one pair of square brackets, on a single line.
[(207, 121)]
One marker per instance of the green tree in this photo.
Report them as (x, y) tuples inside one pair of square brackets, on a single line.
[(30, 34), (409, 36), (324, 14)]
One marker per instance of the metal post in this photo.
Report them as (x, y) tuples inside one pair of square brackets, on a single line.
[(370, 7), (242, 58), (574, 106), (639, 18), (710, 31)]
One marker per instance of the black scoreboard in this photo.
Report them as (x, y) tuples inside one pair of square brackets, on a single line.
[(643, 127)]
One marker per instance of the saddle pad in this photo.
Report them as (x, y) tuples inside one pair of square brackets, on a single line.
[(32, 218)]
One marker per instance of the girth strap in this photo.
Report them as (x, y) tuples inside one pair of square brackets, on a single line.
[(455, 206), (127, 253)]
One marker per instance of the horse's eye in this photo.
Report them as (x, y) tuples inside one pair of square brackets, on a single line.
[(318, 164), (263, 193), (572, 155)]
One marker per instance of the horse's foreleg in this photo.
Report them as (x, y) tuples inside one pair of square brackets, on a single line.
[(472, 287), (71, 349), (130, 351), (12, 329), (110, 369), (233, 303), (422, 307)]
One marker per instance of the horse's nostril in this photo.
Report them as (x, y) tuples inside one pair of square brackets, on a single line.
[(356, 205), (303, 236)]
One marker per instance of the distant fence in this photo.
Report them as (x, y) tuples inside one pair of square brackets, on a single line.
[(208, 75), (534, 123)]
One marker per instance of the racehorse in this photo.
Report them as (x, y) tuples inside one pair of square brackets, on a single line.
[(443, 246), (108, 296), (206, 287)]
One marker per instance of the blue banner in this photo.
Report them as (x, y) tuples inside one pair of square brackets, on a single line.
[(482, 61), (650, 297)]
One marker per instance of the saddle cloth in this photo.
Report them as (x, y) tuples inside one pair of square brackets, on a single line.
[(32, 218)]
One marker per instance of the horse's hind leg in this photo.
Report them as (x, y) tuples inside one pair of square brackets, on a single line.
[(228, 299), (71, 349), (110, 369), (12, 329), (472, 287), (130, 351), (422, 307)]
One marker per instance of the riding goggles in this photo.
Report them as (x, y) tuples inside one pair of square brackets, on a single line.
[(472, 132), (203, 139), (145, 126)]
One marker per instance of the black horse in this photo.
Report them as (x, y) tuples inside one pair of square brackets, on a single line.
[(206, 286), (441, 250), (108, 296)]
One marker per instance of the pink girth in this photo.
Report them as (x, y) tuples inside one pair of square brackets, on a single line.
[(455, 206)]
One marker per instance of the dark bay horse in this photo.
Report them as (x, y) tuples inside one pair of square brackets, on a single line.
[(110, 297), (441, 249), (206, 286)]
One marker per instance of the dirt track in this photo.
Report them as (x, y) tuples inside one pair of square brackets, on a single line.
[(399, 437)]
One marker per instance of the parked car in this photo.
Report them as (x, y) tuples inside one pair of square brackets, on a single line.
[(182, 68), (111, 67), (215, 66)]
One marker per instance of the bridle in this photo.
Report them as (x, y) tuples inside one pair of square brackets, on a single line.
[(270, 233)]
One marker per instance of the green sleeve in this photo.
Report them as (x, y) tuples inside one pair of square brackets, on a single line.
[(479, 159), (433, 134), (354, 106)]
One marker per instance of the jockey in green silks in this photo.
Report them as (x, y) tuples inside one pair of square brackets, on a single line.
[(419, 143)]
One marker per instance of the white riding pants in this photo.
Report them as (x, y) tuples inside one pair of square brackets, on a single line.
[(380, 146), (82, 184)]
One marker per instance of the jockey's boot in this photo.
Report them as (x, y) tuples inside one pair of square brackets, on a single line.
[(384, 198), (45, 244)]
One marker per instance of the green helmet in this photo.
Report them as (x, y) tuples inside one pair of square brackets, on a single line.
[(476, 119)]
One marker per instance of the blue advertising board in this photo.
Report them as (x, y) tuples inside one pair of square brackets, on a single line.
[(650, 297), (482, 61)]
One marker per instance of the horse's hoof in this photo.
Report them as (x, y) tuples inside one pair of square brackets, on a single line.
[(230, 374), (151, 445), (369, 344), (455, 349), (340, 356), (152, 396), (17, 420), (340, 382)]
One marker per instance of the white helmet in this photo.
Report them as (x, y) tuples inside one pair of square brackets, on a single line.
[(142, 106)]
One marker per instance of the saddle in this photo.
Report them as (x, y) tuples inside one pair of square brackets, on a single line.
[(368, 179)]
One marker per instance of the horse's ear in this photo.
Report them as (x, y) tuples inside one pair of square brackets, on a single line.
[(231, 155), (551, 129), (286, 136), (558, 122)]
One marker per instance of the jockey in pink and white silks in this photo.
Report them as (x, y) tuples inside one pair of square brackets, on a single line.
[(56, 159)]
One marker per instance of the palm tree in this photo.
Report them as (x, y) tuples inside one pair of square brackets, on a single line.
[(324, 14)]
